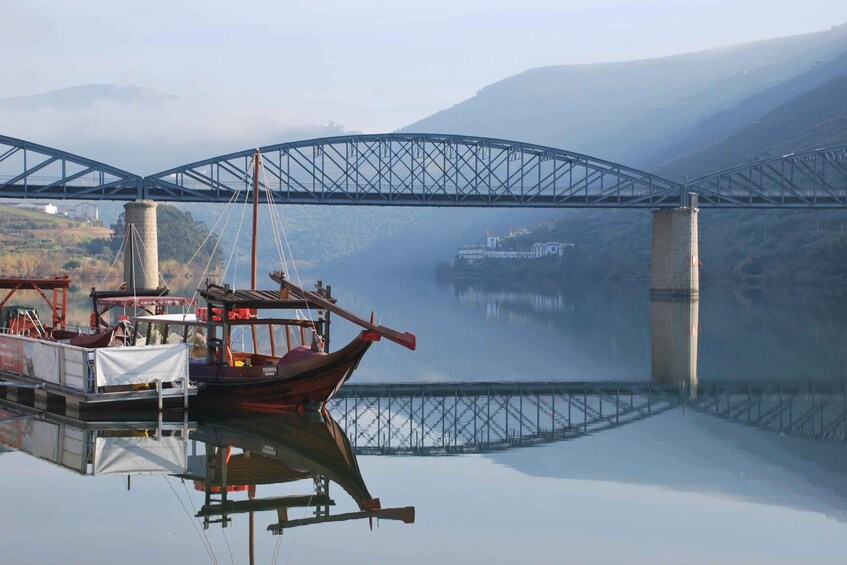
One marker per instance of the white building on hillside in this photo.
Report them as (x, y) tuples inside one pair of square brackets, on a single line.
[(475, 253)]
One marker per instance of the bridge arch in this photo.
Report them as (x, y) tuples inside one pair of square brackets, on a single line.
[(418, 169), (29, 170), (814, 178)]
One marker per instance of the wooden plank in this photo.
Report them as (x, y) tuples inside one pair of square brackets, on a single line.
[(270, 503)]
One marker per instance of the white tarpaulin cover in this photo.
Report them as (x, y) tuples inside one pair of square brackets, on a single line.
[(139, 365), (41, 360), (42, 440), (123, 455), (76, 365)]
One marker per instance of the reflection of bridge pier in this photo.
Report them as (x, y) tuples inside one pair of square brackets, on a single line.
[(674, 329)]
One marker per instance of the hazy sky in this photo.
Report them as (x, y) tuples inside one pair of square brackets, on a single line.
[(369, 65)]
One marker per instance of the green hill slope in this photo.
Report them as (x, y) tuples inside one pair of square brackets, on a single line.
[(752, 245)]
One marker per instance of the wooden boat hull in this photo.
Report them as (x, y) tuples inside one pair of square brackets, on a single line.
[(305, 384)]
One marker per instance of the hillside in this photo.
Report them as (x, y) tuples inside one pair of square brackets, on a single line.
[(623, 111), (34, 243), (748, 111), (37, 244), (817, 118), (807, 246)]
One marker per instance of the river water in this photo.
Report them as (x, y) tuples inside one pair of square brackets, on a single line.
[(618, 430)]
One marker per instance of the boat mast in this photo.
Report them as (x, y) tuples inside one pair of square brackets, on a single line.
[(253, 262), (253, 255)]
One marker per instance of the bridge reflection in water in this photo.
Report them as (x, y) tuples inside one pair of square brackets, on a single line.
[(442, 419)]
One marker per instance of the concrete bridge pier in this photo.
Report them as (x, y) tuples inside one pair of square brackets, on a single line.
[(141, 250), (675, 260)]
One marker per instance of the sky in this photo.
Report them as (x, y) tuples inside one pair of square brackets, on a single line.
[(369, 65)]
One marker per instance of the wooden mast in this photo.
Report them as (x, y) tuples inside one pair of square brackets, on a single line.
[(253, 261), (255, 242)]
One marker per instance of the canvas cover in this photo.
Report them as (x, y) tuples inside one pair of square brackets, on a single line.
[(52, 362), (139, 365), (136, 455)]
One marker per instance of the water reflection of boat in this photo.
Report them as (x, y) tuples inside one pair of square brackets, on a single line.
[(280, 448), (232, 456), (96, 448)]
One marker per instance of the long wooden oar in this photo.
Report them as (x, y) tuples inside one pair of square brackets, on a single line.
[(406, 339)]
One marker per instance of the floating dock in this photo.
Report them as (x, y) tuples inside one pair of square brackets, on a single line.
[(74, 380)]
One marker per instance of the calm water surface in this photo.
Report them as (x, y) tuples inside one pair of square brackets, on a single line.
[(720, 437)]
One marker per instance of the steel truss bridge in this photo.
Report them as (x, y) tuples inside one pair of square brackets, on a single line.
[(454, 418), (400, 169)]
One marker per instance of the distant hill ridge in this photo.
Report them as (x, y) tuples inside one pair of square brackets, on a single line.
[(81, 97)]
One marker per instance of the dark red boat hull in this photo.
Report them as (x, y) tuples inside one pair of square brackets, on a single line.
[(308, 384)]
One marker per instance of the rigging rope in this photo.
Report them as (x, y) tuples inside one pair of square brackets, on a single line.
[(234, 250), (226, 539), (210, 234), (276, 219), (112, 266), (202, 535), (228, 214), (269, 200), (144, 247)]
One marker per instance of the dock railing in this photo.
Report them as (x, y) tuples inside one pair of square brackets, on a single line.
[(90, 370)]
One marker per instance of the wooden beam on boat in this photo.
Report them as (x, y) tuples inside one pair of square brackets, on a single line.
[(275, 321), (405, 515), (262, 504), (265, 299), (99, 294), (406, 339)]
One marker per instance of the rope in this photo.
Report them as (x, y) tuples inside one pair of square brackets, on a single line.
[(132, 241), (228, 213), (211, 232), (281, 227), (144, 247), (276, 550), (140, 240), (226, 539), (202, 535), (235, 244), (271, 210), (296, 535), (114, 261), (135, 237)]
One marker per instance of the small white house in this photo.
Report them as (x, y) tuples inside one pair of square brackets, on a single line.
[(492, 240)]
